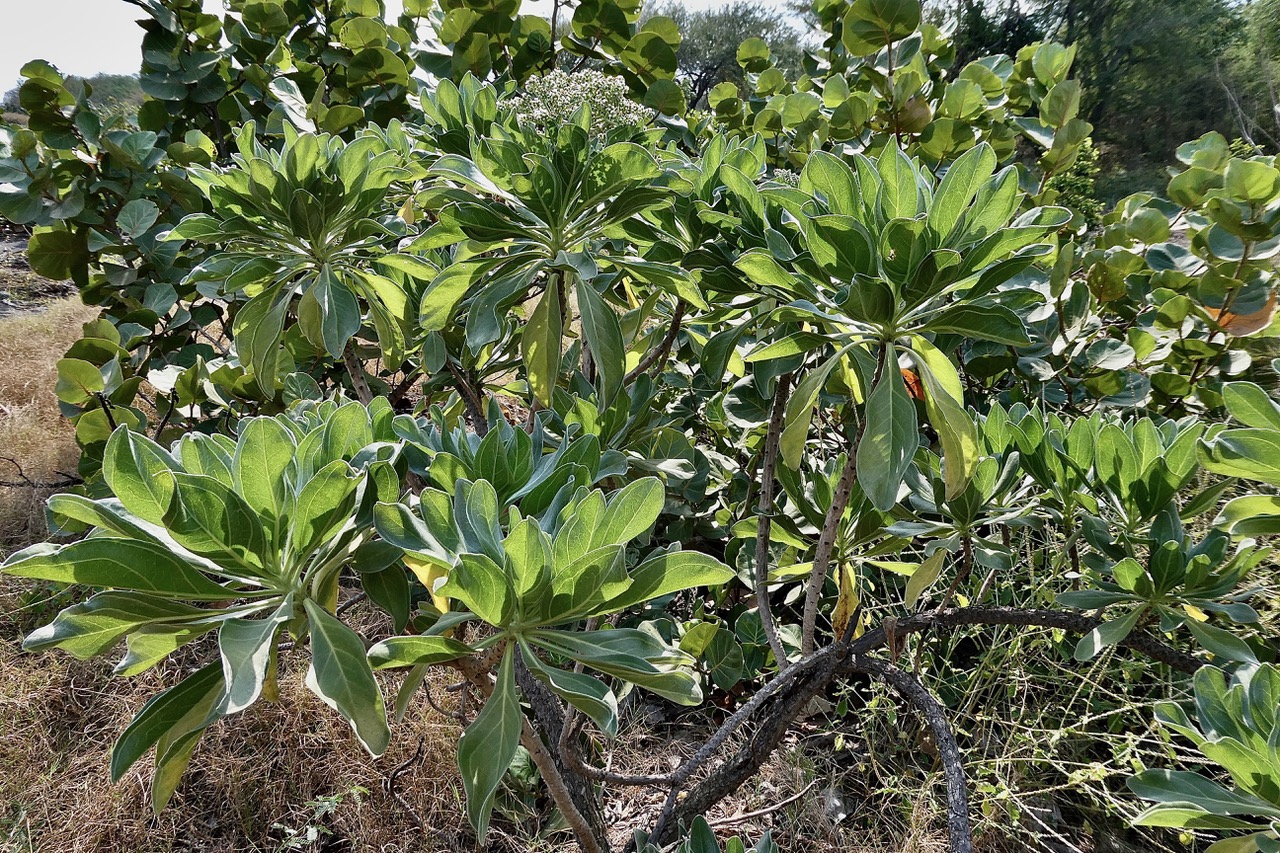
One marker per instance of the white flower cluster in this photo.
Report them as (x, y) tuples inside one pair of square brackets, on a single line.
[(551, 100), (786, 177)]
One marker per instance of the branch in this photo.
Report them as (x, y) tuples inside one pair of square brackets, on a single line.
[(661, 351), (764, 518), (470, 400), (356, 372), (831, 524), (26, 482), (1076, 623), (958, 826), (775, 708)]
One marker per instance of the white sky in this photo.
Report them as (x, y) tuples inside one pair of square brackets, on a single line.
[(85, 37)]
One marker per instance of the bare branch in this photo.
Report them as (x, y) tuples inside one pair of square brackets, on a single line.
[(764, 518), (958, 825)]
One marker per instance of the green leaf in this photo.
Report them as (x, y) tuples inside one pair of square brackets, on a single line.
[(899, 190), (1180, 787), (585, 693), (964, 178), (445, 292), (1251, 405), (760, 268), (121, 563), (181, 708), (628, 654), (1251, 454), (92, 627), (540, 345), (944, 403), (78, 382), (631, 512), (415, 651), (1222, 644), (246, 646), (200, 228), (209, 519), (1251, 181), (482, 585), (140, 473), (151, 644), (340, 675), (889, 440), (794, 344), (256, 331), (1251, 515), (1107, 634), (487, 747), (324, 506), (799, 413), (604, 337), (666, 573), (986, 323), (923, 577), (871, 24), (329, 313), (264, 452), (57, 254), (136, 217)]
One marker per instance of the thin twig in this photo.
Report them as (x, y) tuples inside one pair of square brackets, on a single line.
[(389, 786), (778, 806), (350, 603), (28, 483)]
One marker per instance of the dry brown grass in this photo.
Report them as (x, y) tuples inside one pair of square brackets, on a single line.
[(35, 441), (254, 777)]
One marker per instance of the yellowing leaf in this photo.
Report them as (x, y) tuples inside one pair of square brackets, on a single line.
[(1196, 613), (428, 573), (847, 604)]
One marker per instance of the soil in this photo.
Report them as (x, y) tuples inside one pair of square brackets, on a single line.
[(20, 288)]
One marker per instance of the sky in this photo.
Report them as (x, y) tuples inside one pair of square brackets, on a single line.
[(86, 37)]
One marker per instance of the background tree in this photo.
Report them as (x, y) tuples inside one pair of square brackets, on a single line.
[(113, 94), (708, 53), (1250, 74)]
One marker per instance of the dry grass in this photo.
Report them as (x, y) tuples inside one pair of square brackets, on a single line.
[(255, 776), (35, 441)]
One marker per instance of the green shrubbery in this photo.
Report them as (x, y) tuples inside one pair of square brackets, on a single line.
[(788, 388)]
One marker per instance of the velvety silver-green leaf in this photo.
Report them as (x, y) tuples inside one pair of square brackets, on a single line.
[(182, 707), (665, 573), (414, 651), (487, 747), (340, 675), (120, 563), (92, 627), (140, 473), (246, 646)]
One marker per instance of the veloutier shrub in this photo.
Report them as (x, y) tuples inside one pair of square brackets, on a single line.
[(598, 397)]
